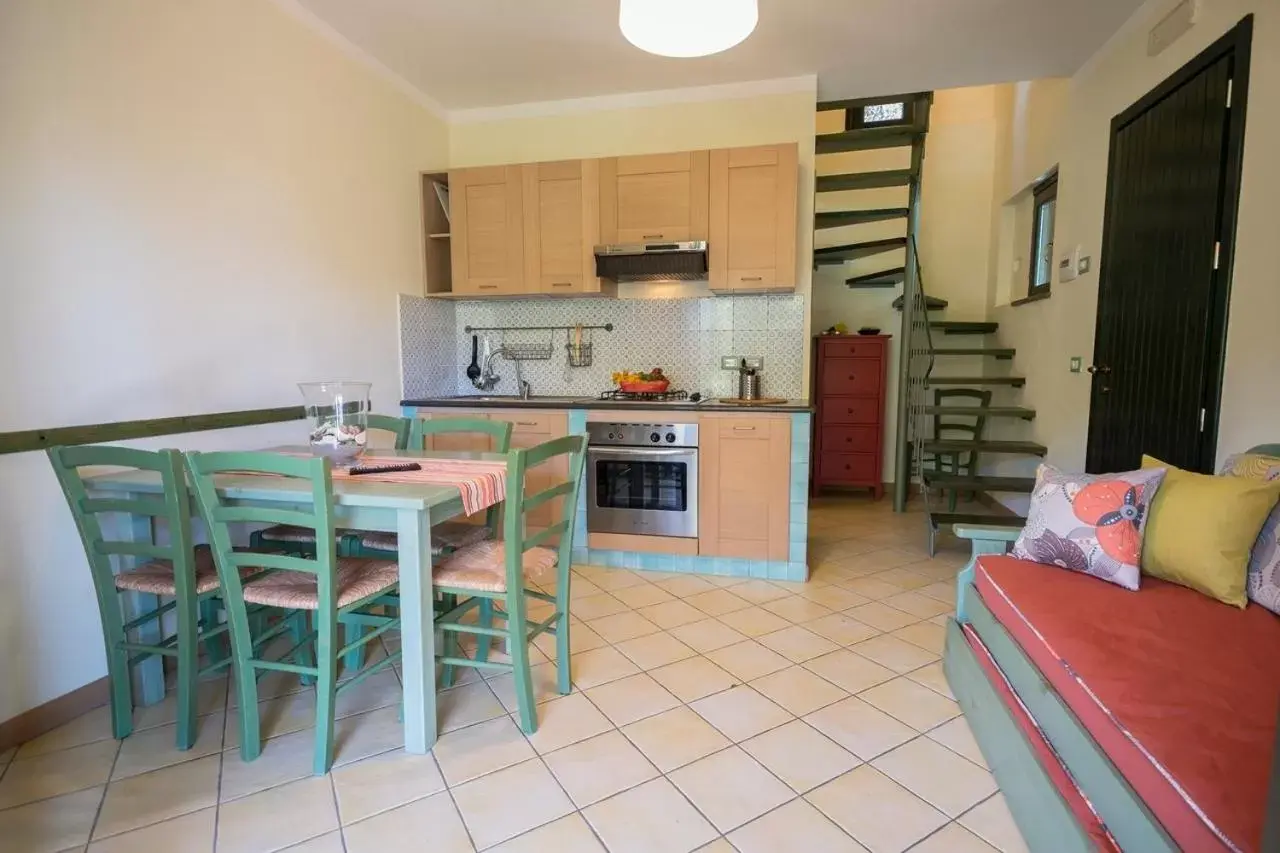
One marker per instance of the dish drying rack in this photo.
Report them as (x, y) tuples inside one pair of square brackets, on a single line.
[(577, 352)]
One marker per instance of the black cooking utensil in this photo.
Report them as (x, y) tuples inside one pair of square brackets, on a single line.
[(473, 369)]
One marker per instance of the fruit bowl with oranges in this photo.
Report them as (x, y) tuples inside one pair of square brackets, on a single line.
[(646, 382)]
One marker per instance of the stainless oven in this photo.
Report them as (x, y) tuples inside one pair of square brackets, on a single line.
[(642, 479)]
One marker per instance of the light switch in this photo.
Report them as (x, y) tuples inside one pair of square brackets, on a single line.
[(1076, 363)]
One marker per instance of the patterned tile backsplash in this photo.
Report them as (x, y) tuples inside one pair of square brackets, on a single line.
[(685, 337)]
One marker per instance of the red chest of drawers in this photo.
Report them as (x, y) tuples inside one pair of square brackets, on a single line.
[(849, 378)]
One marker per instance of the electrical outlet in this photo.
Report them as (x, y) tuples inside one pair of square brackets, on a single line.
[(1076, 364), (734, 362)]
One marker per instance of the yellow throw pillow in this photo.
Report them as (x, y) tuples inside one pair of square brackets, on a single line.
[(1202, 528)]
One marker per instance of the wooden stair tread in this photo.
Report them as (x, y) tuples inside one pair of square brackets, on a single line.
[(864, 180), (843, 218), (932, 303), (868, 139), (934, 445), (982, 411), (1015, 381), (946, 519), (993, 352), (963, 327), (884, 278), (852, 251), (1023, 485)]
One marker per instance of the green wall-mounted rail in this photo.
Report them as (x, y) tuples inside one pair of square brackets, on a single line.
[(41, 439)]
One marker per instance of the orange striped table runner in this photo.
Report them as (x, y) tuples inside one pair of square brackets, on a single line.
[(481, 484)]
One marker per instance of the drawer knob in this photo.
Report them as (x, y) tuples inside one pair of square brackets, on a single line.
[(851, 411)]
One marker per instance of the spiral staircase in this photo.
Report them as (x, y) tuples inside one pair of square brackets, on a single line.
[(858, 198)]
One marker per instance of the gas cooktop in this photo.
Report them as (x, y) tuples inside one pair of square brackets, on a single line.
[(653, 399)]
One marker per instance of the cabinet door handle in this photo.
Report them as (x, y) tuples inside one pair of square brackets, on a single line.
[(745, 428), (751, 278), (652, 237), (488, 287), (526, 423), (562, 284)]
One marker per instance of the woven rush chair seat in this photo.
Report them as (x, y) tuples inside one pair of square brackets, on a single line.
[(289, 533), (482, 567), (450, 535), (355, 579), (156, 577)]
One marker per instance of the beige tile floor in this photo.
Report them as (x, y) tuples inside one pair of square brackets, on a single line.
[(708, 714)]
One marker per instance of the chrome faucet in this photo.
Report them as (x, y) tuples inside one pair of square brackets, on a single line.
[(488, 379)]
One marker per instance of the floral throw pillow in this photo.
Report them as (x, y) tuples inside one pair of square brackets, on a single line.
[(1264, 560), (1090, 524)]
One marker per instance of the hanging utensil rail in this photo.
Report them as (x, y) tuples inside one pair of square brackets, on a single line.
[(608, 327)]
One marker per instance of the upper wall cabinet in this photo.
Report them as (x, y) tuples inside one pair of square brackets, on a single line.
[(561, 226), (487, 230), (654, 197), (754, 197)]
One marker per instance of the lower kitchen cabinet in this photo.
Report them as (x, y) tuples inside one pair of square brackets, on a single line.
[(745, 485)]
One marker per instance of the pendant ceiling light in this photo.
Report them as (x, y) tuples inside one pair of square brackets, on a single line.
[(684, 28)]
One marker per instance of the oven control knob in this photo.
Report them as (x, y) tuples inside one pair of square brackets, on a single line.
[(671, 438), (655, 437)]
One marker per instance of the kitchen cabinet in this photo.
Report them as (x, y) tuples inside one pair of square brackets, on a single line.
[(849, 379), (745, 486), (487, 231), (654, 198), (561, 226), (753, 212)]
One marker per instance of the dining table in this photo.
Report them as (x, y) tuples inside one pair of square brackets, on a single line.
[(407, 509)]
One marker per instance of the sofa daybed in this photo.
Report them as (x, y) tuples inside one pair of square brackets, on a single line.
[(1115, 720)]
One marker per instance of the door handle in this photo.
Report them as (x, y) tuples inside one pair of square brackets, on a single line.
[(1103, 371)]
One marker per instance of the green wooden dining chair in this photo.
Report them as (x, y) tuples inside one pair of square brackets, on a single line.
[(178, 571), (321, 588), (294, 540), (500, 571), (448, 536)]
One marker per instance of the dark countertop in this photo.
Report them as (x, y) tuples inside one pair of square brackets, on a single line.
[(482, 402)]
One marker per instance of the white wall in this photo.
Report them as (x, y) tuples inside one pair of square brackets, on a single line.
[(1048, 333), (201, 203)]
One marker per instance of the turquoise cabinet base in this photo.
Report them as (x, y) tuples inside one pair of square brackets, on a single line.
[(794, 568)]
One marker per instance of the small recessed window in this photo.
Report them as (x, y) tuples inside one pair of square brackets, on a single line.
[(881, 113), (1044, 214)]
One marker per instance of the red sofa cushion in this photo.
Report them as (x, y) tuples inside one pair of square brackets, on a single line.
[(1181, 692)]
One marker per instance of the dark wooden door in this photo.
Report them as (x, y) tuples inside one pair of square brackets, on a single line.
[(1171, 197)]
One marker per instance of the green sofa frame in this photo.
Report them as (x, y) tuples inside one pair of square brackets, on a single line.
[(1042, 815)]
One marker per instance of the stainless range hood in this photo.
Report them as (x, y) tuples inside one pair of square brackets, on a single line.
[(652, 261)]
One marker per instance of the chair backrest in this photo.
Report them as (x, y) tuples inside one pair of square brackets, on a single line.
[(970, 426), (498, 431), (313, 510), (1266, 449), (397, 426), (518, 504), (172, 505)]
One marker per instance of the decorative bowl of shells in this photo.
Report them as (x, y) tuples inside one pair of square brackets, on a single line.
[(339, 414)]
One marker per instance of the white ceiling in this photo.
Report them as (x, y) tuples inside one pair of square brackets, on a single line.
[(465, 54)]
